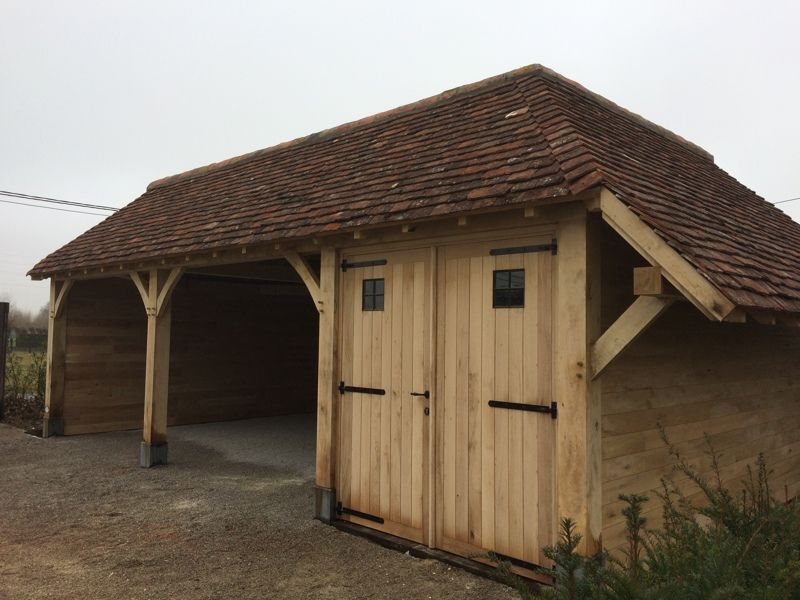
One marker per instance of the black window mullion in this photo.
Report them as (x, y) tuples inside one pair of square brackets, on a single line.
[(508, 288), (372, 294)]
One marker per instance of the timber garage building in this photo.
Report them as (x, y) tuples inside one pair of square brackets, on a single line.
[(491, 299)]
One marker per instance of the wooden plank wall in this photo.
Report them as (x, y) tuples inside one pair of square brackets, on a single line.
[(738, 383), (104, 372), (237, 351), (241, 350)]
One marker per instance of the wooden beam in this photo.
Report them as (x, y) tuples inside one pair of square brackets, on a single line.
[(158, 307), (53, 423), (165, 293), (60, 301), (689, 282), (650, 281), (327, 391), (630, 325), (307, 274), (736, 316), (762, 317), (140, 286), (578, 441), (788, 320)]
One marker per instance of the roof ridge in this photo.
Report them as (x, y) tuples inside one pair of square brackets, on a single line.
[(639, 119), (344, 127), (429, 101)]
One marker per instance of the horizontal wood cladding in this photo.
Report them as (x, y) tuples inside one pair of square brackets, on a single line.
[(737, 383), (241, 351), (104, 372), (237, 351)]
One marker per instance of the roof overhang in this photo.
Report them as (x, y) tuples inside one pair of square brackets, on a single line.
[(676, 269)]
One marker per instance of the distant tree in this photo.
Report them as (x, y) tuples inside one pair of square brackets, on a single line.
[(21, 319), (41, 318)]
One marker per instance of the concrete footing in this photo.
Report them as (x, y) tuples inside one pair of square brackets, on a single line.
[(152, 454), (325, 504)]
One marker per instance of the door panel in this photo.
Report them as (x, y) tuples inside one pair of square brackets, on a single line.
[(495, 466), (382, 458)]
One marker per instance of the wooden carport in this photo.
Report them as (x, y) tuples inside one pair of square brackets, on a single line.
[(155, 289)]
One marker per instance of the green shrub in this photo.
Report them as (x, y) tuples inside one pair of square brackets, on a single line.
[(25, 383), (726, 547)]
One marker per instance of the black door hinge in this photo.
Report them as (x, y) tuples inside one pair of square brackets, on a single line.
[(363, 263), (343, 510), (552, 247), (540, 408), (360, 390)]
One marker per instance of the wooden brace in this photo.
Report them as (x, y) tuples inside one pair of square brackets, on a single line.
[(308, 276), (630, 325), (58, 298), (156, 299)]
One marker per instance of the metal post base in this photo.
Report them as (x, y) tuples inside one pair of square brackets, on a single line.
[(52, 426), (325, 504), (152, 454)]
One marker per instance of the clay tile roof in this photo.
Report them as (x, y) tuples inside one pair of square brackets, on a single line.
[(525, 136)]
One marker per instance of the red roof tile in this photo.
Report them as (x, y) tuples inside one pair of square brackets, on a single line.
[(523, 136)]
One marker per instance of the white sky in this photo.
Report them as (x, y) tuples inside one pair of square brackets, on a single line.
[(99, 98)]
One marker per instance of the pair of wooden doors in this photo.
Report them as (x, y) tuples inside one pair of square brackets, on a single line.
[(464, 463)]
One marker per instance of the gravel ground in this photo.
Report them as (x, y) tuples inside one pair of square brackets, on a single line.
[(230, 517)]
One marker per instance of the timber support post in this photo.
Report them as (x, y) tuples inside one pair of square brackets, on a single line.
[(3, 349), (156, 295), (578, 442), (53, 422), (327, 391)]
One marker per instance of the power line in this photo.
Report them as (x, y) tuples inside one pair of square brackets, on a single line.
[(787, 200), (55, 201), (81, 212)]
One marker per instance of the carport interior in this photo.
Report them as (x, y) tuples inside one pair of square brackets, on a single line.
[(243, 344)]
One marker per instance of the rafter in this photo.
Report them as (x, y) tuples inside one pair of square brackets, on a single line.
[(676, 269)]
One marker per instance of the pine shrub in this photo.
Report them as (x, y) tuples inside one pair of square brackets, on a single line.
[(727, 546)]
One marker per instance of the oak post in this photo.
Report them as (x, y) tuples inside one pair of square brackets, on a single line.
[(327, 392), (53, 422), (157, 303), (577, 318)]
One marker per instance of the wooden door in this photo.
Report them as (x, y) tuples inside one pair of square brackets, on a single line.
[(383, 427), (495, 464)]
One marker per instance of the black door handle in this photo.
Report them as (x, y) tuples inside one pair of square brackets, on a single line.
[(426, 394)]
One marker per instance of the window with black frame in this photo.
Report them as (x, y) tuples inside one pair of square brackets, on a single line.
[(508, 289), (372, 294)]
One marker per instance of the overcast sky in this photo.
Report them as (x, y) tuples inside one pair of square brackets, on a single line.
[(99, 98)]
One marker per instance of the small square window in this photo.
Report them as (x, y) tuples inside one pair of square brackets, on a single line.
[(372, 294), (509, 288)]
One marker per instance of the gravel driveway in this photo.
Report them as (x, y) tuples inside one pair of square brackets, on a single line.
[(230, 517)]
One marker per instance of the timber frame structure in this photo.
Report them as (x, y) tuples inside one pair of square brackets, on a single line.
[(448, 414)]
